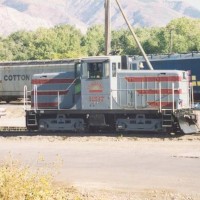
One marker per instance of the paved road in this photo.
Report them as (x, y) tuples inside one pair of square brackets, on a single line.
[(117, 163)]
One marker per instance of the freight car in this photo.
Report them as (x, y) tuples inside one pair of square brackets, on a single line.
[(14, 75), (107, 96), (188, 61)]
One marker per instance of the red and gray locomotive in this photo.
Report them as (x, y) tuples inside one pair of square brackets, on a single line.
[(103, 93)]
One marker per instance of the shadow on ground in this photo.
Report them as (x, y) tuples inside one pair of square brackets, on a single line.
[(88, 134)]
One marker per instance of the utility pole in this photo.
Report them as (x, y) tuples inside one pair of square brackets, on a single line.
[(135, 37), (107, 28), (171, 41)]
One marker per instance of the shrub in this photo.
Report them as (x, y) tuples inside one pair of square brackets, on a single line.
[(20, 183)]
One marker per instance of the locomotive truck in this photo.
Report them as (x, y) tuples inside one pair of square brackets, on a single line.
[(107, 95)]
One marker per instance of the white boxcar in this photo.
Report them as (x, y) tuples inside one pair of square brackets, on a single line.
[(15, 75)]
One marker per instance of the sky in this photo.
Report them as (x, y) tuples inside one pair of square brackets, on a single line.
[(195, 3)]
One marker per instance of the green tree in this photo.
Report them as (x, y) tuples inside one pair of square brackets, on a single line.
[(20, 44), (67, 42), (123, 42), (7, 49), (93, 41), (184, 34), (43, 44)]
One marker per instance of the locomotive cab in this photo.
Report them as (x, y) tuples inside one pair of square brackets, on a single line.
[(98, 80)]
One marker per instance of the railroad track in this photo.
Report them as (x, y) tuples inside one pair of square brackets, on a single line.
[(13, 129)]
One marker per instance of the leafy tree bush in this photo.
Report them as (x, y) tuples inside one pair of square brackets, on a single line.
[(185, 34), (65, 41), (18, 183), (94, 40)]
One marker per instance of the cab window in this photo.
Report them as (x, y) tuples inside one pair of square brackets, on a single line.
[(184, 75), (119, 65), (95, 70), (77, 69), (114, 69)]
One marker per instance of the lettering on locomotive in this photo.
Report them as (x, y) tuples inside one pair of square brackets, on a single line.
[(96, 99), (17, 77)]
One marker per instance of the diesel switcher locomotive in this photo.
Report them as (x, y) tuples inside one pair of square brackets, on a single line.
[(105, 94)]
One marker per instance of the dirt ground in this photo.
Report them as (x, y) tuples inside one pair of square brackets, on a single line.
[(14, 115), (176, 160)]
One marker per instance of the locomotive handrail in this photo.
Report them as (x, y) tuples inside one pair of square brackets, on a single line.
[(58, 100), (26, 92), (35, 106), (25, 97), (173, 97), (191, 95), (160, 97)]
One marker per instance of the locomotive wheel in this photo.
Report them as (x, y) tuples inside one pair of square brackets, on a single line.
[(77, 126), (92, 129), (172, 133), (43, 126)]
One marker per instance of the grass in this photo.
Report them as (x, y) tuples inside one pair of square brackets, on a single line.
[(19, 182)]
